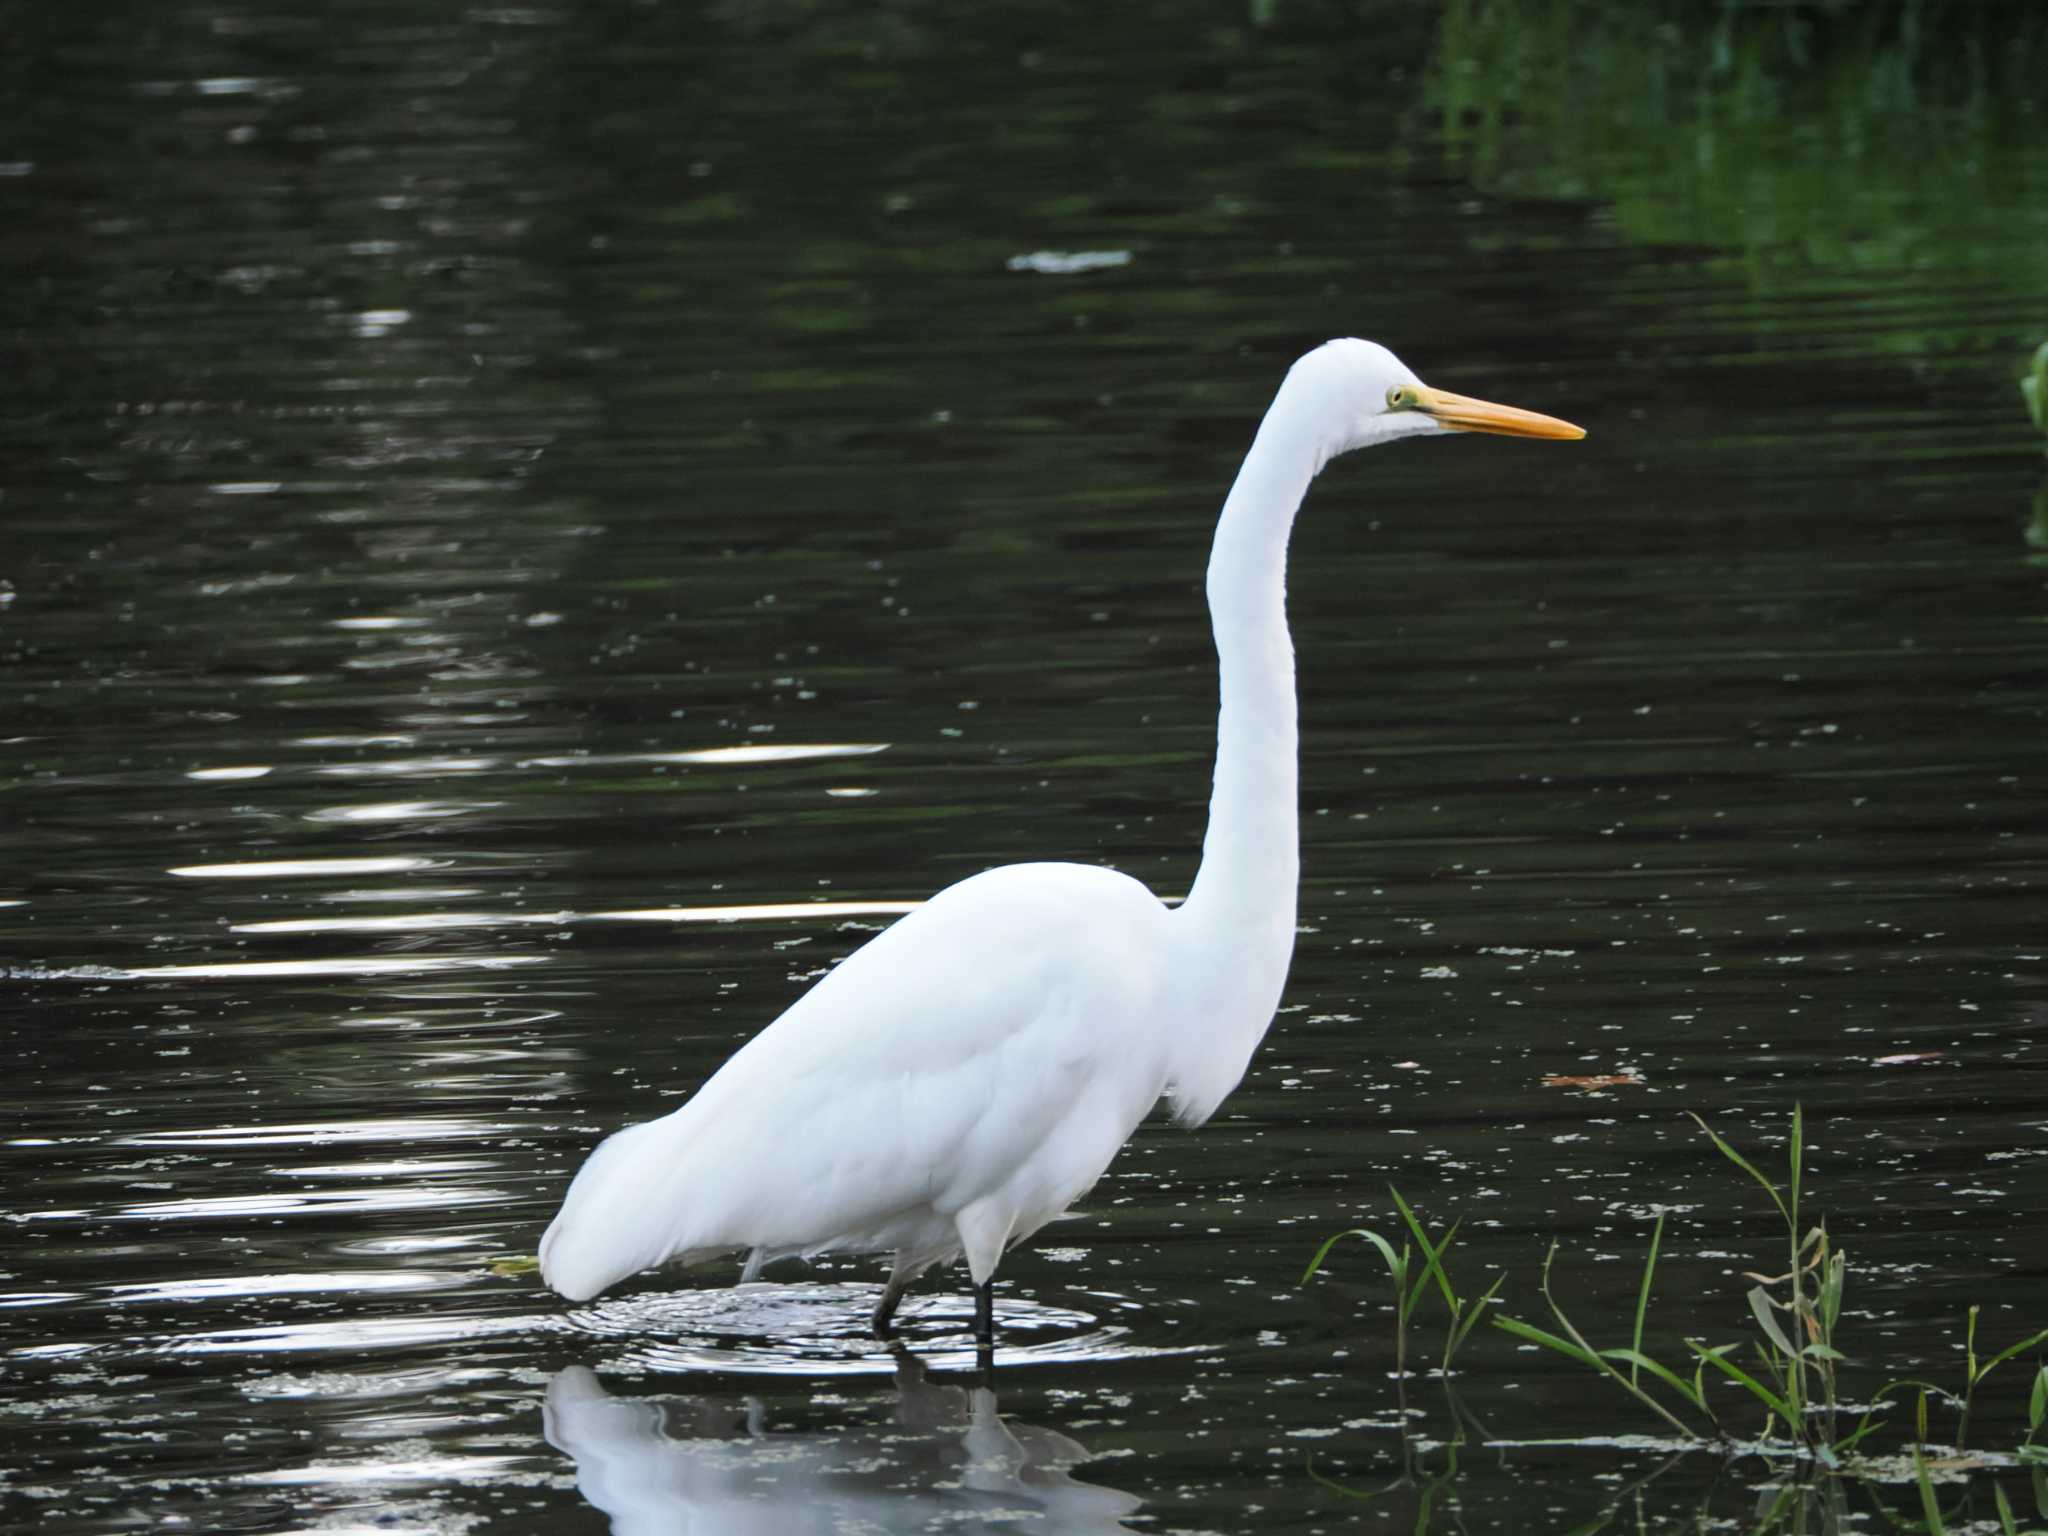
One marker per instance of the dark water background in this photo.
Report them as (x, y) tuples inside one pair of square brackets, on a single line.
[(501, 503)]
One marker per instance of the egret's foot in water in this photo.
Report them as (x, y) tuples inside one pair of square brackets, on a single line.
[(985, 1315), (883, 1321)]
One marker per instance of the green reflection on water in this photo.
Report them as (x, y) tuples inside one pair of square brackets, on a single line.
[(1877, 140)]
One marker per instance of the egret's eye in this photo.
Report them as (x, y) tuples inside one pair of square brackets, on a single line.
[(1403, 397)]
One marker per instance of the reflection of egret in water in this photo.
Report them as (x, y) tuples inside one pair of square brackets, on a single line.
[(945, 1460)]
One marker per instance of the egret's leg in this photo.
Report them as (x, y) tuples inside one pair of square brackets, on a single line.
[(985, 1313), (885, 1309), (900, 1277)]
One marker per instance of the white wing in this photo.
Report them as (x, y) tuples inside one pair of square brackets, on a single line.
[(971, 1070)]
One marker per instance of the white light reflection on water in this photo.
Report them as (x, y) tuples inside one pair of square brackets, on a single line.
[(401, 893), (410, 922), (396, 1168), (804, 1330), (381, 621), (753, 752), (284, 869), (325, 1202), (345, 1335), (420, 1469), (249, 1287), (760, 912), (438, 922), (409, 767), (381, 965), (401, 810), (320, 1133)]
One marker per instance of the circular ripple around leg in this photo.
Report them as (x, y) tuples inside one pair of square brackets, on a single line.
[(821, 1328)]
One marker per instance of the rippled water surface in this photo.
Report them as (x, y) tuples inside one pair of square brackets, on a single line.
[(526, 534)]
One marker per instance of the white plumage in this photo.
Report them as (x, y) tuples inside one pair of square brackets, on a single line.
[(966, 1075)]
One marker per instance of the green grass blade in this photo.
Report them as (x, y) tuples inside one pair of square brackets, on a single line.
[(1746, 1166), (1677, 1383), (1798, 1158), (1386, 1252), (1643, 1291), (1928, 1504), (2006, 1354), (1535, 1335), (1432, 1253), (1848, 1442), (1464, 1326), (1762, 1393), (1775, 1515), (1832, 1287), (2037, 1402), (2006, 1523), (1336, 1487)]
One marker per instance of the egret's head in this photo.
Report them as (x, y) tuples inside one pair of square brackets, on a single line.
[(1366, 395), (604, 1231)]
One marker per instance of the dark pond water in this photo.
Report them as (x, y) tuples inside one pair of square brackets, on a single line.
[(526, 533)]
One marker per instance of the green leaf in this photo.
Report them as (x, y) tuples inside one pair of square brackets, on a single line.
[(1761, 1305), (1337, 1487), (1763, 1394), (1535, 1335), (2037, 1402), (1414, 1292), (2036, 407), (1643, 1293), (1431, 1253), (2006, 1354), (1928, 1504), (2006, 1523), (1798, 1158), (1464, 1326), (1746, 1166), (1837, 1279), (1386, 1252), (1848, 1442), (1671, 1379)]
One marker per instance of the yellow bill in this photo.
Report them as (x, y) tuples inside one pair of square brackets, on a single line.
[(1469, 415)]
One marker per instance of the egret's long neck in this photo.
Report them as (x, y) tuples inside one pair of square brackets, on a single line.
[(1251, 853), (1234, 935)]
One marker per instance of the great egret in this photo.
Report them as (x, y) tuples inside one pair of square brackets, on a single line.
[(968, 1074)]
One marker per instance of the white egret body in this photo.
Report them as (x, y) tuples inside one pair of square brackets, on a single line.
[(969, 1073)]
